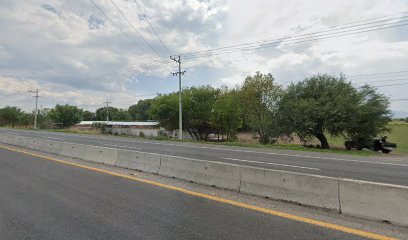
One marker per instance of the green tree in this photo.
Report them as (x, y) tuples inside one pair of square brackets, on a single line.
[(88, 116), (371, 116), (140, 111), (12, 116), (115, 114), (43, 119), (121, 115), (65, 114), (320, 105), (100, 114), (198, 106), (260, 96), (165, 108), (227, 114)]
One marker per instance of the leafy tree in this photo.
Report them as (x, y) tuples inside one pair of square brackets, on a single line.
[(43, 119), (11, 116), (165, 108), (198, 103), (259, 101), (371, 116), (227, 114), (115, 114), (88, 116), (100, 113), (198, 106), (121, 115), (319, 105), (65, 114), (140, 110)]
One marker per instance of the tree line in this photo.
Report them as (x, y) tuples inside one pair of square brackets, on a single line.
[(68, 115), (318, 106)]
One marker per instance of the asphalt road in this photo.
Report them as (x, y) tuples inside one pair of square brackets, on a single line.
[(42, 199), (383, 169)]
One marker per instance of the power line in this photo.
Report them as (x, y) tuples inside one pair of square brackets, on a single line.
[(296, 39), (130, 24), (386, 80), (114, 24), (136, 96), (143, 66), (304, 34), (131, 73), (290, 42), (391, 85), (134, 28), (120, 29), (375, 74), (399, 99), (151, 26), (291, 36)]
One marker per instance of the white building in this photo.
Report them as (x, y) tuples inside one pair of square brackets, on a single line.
[(149, 128)]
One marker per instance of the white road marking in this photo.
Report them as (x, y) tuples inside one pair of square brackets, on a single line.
[(115, 145), (269, 163), (53, 138)]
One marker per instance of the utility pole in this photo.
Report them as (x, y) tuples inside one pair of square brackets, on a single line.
[(36, 96), (107, 111), (179, 73)]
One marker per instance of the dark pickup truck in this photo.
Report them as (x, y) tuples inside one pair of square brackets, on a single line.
[(378, 144)]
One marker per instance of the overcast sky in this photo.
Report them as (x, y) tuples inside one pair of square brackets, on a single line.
[(68, 48)]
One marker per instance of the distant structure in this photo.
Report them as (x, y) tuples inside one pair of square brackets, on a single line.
[(149, 128)]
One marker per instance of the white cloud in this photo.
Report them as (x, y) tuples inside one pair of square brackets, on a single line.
[(62, 47)]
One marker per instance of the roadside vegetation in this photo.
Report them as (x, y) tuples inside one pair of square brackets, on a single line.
[(320, 112)]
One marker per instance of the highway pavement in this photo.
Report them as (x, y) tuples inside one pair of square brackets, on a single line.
[(42, 199), (384, 169)]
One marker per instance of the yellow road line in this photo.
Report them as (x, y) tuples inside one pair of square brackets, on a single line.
[(218, 199)]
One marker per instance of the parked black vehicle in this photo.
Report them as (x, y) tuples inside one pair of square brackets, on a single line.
[(377, 144)]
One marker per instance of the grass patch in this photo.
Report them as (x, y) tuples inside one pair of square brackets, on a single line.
[(67, 130), (398, 134), (295, 147)]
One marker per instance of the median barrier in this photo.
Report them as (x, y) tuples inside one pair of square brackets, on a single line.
[(103, 155), (5, 138), (33, 144), (11, 139), (50, 147), (73, 150), (19, 141), (222, 175), (305, 189), (90, 153), (376, 201), (145, 162)]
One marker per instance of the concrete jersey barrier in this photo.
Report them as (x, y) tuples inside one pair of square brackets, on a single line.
[(139, 161), (221, 175), (91, 153), (305, 189), (376, 201)]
